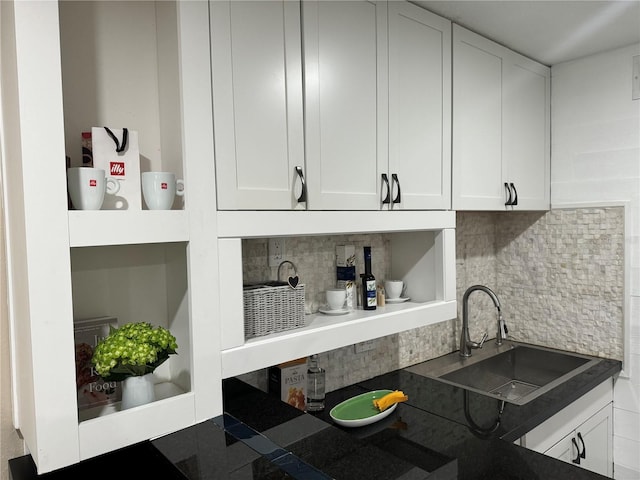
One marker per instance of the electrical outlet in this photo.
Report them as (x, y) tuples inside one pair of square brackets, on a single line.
[(365, 346), (276, 251)]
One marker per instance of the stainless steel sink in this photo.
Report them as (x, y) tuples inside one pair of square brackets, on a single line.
[(514, 372)]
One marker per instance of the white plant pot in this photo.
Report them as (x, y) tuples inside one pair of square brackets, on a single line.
[(137, 391)]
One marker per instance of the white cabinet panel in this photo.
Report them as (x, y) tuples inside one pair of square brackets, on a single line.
[(581, 433), (345, 102), (501, 127), (419, 107), (477, 123), (563, 450), (257, 95), (589, 445), (597, 434), (526, 132), (377, 88)]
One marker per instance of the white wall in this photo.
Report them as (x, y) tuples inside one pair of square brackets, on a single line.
[(595, 159)]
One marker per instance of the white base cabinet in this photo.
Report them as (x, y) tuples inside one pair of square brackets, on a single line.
[(580, 434)]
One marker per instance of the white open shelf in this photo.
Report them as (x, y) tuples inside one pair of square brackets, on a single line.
[(163, 390), (327, 332), (248, 224), (125, 427), (120, 227), (135, 265), (422, 250)]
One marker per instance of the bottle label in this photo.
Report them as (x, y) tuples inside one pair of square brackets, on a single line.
[(316, 387), (371, 293)]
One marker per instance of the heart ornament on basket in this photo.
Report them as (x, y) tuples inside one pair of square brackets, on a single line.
[(292, 281)]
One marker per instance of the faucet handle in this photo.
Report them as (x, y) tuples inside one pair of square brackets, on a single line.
[(482, 340)]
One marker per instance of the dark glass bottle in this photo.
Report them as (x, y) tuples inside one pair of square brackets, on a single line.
[(368, 283)]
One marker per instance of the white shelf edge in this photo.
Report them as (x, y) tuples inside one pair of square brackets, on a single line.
[(163, 390), (247, 224), (120, 227), (323, 332), (111, 432)]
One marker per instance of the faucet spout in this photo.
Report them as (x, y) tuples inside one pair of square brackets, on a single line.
[(465, 341)]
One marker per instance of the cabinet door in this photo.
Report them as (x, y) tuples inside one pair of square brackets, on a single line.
[(590, 445), (257, 97), (598, 441), (501, 127), (526, 131), (345, 64), (419, 107), (477, 122), (564, 450)]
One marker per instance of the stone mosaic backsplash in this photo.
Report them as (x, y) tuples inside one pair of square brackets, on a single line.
[(559, 276), (562, 277)]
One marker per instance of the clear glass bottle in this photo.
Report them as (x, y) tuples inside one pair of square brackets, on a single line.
[(315, 386)]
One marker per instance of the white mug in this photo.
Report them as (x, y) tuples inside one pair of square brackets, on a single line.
[(88, 185), (160, 189), (393, 289), (336, 298)]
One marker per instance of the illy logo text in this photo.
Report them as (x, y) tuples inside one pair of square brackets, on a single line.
[(164, 185), (116, 169), (93, 182)]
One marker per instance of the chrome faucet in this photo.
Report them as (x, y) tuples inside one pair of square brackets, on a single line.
[(465, 342)]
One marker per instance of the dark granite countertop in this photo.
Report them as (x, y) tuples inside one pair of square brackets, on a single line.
[(427, 437)]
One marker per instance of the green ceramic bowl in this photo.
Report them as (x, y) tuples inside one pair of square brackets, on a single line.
[(359, 410)]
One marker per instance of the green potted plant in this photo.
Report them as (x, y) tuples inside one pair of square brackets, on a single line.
[(130, 353)]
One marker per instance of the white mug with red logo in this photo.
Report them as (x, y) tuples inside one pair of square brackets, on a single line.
[(87, 187), (159, 189)]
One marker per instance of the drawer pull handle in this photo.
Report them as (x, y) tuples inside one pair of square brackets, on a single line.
[(508, 189), (515, 195), (577, 459), (385, 184), (303, 190), (396, 182), (584, 448)]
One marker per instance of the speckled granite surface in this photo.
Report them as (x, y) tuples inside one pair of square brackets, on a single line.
[(428, 437)]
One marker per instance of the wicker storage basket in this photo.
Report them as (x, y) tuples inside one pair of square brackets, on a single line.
[(272, 307)]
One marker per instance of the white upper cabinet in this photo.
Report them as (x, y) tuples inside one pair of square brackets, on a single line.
[(377, 111), (377, 106), (501, 127), (257, 99), (526, 132), (419, 108), (345, 67), (477, 122)]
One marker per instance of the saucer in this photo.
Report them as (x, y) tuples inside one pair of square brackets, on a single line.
[(327, 311), (397, 300)]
